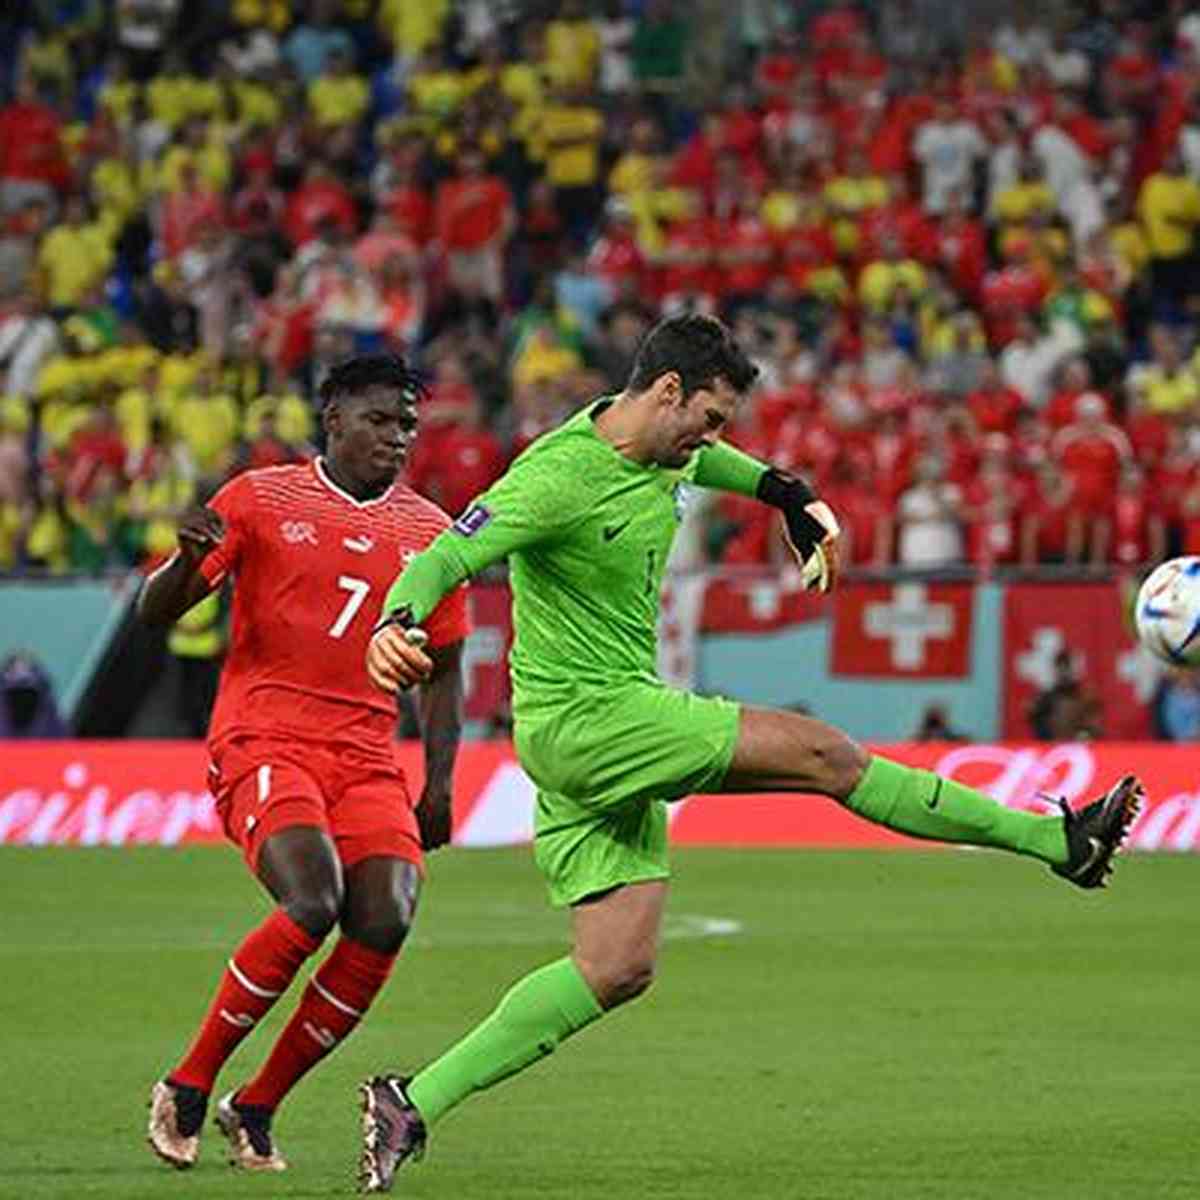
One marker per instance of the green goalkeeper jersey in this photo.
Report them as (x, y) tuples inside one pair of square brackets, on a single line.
[(587, 532)]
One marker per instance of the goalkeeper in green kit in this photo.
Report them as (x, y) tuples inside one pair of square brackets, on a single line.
[(586, 517)]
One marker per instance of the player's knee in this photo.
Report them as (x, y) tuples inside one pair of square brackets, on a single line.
[(382, 932), (843, 762), (316, 911), (624, 982)]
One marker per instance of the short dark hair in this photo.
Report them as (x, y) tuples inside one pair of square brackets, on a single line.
[(353, 376), (701, 349)]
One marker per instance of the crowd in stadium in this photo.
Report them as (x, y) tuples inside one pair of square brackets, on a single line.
[(963, 255)]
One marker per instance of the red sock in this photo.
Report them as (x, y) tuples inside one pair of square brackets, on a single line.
[(259, 973), (334, 1002)]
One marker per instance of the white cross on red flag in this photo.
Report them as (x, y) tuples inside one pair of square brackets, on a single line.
[(907, 630)]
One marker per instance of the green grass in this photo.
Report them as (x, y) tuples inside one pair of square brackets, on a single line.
[(893, 1027)]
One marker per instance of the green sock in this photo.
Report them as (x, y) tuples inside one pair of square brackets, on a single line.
[(925, 805), (537, 1013)]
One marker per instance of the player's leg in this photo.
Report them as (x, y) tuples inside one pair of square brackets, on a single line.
[(378, 850), (782, 751), (275, 813), (379, 907), (612, 960)]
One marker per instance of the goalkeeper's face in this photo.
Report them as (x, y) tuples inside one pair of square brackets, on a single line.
[(688, 423)]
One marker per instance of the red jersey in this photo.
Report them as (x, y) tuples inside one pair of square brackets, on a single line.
[(469, 213), (748, 236), (1130, 516), (455, 463), (311, 566), (1092, 459), (995, 410)]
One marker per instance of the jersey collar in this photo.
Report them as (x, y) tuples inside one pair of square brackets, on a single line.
[(319, 469)]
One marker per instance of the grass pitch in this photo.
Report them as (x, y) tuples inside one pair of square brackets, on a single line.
[(825, 1026)]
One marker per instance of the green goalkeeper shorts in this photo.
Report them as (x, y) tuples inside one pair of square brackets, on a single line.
[(605, 765)]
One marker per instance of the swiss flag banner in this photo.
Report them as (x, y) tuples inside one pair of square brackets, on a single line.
[(1087, 620), (902, 629)]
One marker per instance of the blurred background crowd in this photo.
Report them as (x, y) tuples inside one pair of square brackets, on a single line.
[(960, 241)]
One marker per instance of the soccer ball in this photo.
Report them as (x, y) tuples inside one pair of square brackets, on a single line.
[(1168, 612)]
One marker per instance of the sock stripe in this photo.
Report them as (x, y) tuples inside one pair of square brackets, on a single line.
[(350, 1012), (251, 987)]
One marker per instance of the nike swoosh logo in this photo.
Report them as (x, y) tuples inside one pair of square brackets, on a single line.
[(611, 531), (361, 545), (932, 802), (1092, 859)]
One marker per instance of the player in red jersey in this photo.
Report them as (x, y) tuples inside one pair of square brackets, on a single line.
[(301, 743)]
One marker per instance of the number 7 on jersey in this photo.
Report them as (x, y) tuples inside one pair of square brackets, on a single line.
[(358, 589)]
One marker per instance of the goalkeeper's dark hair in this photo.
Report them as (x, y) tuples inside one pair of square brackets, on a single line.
[(701, 349), (353, 376)]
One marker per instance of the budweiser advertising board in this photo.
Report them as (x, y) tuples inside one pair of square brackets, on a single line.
[(133, 793)]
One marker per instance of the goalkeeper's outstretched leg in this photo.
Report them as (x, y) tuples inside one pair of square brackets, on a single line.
[(786, 752)]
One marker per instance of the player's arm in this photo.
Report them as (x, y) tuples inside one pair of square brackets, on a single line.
[(179, 584), (529, 504), (812, 529), (440, 709)]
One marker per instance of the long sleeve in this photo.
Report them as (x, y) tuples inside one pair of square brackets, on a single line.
[(727, 469), (533, 502)]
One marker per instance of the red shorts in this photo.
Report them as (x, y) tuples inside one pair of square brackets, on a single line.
[(359, 797)]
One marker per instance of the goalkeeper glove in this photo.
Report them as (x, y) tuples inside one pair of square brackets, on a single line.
[(810, 527)]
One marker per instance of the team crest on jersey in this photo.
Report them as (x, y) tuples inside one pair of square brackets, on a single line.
[(473, 520), (295, 532), (681, 494)]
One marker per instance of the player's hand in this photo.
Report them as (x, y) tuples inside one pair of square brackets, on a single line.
[(200, 532), (395, 660), (435, 819), (813, 534)]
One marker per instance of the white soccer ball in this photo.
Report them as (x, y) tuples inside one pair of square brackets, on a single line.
[(1168, 612)]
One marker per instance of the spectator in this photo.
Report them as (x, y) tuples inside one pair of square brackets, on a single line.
[(337, 97), (143, 29), (322, 197), (995, 498), (929, 515), (27, 707), (659, 46), (457, 459), (27, 340), (74, 257), (1052, 522), (1092, 452), (573, 47), (1169, 205), (572, 130), (1175, 707), (935, 726), (32, 164), (1133, 532), (1066, 710), (947, 147), (195, 643), (993, 405), (310, 46), (1170, 384), (615, 30), (474, 221)]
